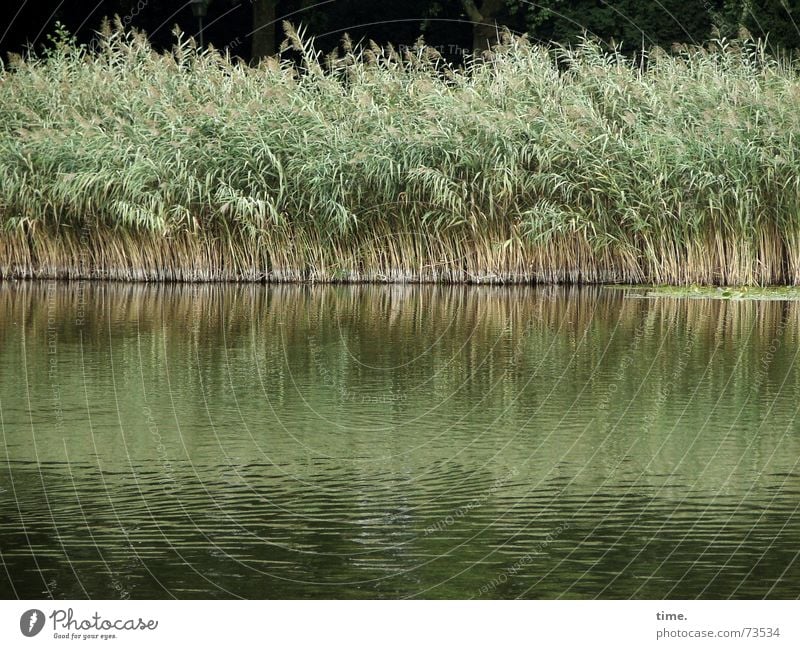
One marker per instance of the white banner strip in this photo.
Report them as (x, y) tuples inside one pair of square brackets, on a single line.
[(401, 624)]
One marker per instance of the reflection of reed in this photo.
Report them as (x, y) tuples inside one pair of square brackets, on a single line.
[(412, 342), (408, 312), (526, 364)]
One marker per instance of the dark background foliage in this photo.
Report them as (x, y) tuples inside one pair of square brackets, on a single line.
[(251, 28)]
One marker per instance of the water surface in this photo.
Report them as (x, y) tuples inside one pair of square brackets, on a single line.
[(395, 441)]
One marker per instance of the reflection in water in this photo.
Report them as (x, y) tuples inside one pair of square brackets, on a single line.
[(395, 441)]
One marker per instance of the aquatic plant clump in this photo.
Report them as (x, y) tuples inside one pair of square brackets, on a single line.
[(532, 164), (730, 293)]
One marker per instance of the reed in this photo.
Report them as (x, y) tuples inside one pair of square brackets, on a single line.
[(536, 164)]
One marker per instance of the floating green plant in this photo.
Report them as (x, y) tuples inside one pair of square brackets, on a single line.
[(718, 292)]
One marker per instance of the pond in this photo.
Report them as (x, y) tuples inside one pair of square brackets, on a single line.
[(221, 441)]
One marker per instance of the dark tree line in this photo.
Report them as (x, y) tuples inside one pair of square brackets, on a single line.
[(252, 28)]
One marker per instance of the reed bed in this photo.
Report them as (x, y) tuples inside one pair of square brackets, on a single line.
[(534, 164)]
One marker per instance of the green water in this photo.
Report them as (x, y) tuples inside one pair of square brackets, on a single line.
[(396, 441)]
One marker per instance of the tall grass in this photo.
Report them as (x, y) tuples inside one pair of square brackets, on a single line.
[(534, 164)]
